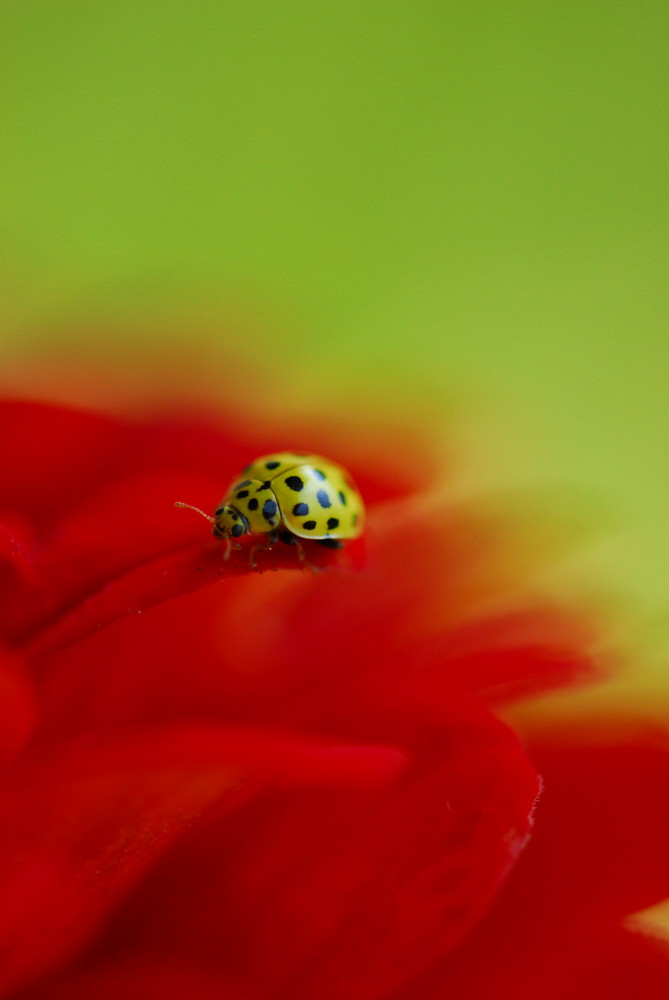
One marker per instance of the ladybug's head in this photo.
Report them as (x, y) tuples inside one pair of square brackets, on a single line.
[(229, 522)]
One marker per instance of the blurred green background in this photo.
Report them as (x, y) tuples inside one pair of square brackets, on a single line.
[(457, 200)]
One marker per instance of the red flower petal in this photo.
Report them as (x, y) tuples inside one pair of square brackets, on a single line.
[(139, 977), (18, 709), (114, 510), (598, 854), (316, 871), (79, 828), (606, 963), (120, 553), (612, 859), (332, 895), (312, 649), (406, 622), (162, 578), (16, 562), (52, 456)]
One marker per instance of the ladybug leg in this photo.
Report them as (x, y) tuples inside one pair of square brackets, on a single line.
[(303, 557), (229, 546), (290, 539), (271, 538)]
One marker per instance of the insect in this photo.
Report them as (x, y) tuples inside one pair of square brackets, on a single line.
[(286, 497)]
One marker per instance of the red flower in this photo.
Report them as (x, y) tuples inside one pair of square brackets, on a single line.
[(291, 785)]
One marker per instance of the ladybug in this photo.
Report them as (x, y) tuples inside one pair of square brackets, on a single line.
[(288, 496)]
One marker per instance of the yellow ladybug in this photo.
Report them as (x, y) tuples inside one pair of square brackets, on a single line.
[(288, 496)]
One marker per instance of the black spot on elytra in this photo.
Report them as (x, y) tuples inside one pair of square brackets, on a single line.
[(269, 509), (253, 504), (323, 499), (309, 525), (272, 465), (237, 530), (242, 494), (265, 486), (301, 509), (294, 483), (319, 475), (333, 522), (342, 497), (219, 511)]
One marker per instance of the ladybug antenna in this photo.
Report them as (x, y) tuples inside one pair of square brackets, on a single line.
[(189, 506)]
